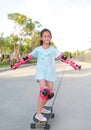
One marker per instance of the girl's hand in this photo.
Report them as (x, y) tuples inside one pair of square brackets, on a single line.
[(74, 65)]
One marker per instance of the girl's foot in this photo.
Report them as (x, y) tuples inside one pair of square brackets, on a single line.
[(40, 117), (45, 111)]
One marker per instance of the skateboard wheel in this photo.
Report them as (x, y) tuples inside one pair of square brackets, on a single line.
[(47, 127), (53, 115), (33, 125)]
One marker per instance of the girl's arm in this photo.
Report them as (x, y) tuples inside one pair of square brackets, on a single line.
[(24, 60), (68, 61)]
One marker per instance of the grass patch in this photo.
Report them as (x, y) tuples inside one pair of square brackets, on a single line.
[(32, 61), (4, 65)]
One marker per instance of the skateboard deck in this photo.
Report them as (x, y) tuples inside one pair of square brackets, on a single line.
[(43, 124)]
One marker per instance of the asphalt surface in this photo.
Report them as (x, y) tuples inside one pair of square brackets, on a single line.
[(19, 93)]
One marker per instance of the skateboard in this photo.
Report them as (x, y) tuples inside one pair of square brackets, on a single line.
[(43, 124)]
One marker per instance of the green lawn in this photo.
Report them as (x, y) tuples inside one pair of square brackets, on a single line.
[(4, 65)]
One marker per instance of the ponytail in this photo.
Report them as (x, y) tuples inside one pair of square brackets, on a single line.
[(41, 42)]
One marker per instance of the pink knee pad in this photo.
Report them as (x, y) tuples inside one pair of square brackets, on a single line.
[(43, 92), (50, 94)]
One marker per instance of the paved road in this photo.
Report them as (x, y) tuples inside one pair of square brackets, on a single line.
[(19, 92)]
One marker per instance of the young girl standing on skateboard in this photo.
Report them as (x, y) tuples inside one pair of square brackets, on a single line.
[(45, 70)]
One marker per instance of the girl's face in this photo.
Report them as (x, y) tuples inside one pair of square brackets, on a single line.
[(46, 37)]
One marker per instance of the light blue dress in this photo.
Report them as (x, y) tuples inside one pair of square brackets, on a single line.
[(45, 68)]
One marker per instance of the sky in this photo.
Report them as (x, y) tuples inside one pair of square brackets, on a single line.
[(68, 20)]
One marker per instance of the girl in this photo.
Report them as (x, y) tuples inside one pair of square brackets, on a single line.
[(45, 70)]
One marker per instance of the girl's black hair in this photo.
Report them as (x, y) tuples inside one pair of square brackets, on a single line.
[(41, 33)]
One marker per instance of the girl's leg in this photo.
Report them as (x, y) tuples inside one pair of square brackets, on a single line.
[(50, 95), (50, 85), (41, 102)]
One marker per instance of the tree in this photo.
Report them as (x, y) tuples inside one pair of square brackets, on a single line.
[(25, 27), (5, 48), (68, 54)]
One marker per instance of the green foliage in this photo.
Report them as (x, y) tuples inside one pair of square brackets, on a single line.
[(53, 44), (68, 54), (18, 18), (77, 53)]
